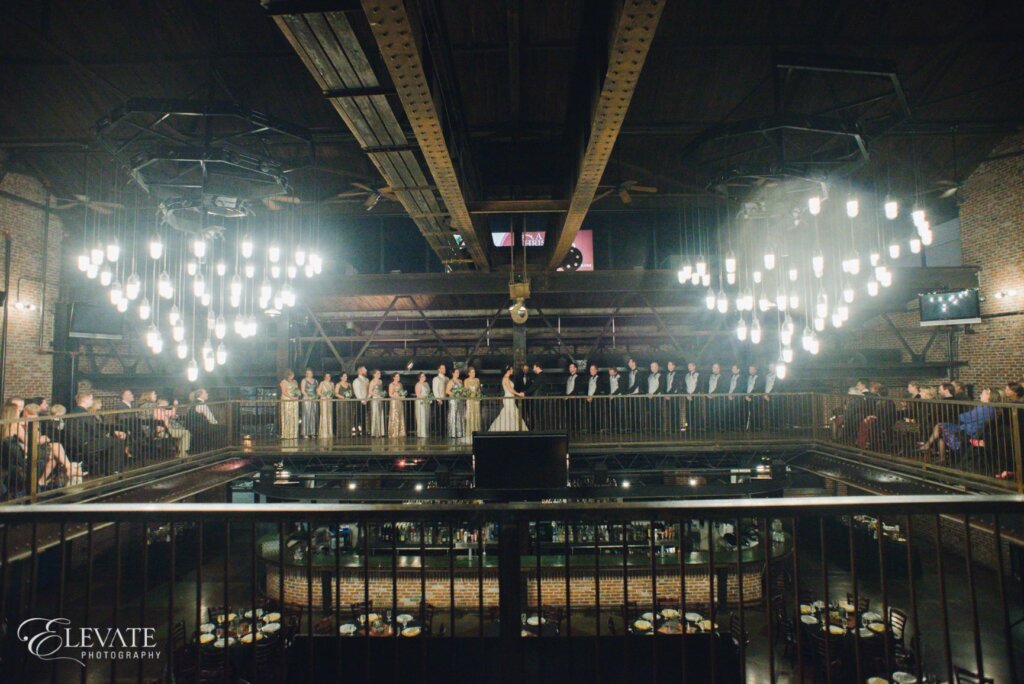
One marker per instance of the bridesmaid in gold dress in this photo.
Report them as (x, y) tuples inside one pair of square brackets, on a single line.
[(325, 391), (289, 406), (472, 385), (396, 416)]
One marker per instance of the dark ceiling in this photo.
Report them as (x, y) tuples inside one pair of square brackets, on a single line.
[(716, 106)]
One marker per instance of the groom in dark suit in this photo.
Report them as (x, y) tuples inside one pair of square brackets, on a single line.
[(535, 407)]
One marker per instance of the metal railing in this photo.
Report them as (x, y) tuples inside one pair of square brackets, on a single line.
[(978, 441), (838, 589)]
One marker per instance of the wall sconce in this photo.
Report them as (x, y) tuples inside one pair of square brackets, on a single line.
[(20, 305), (1002, 294)]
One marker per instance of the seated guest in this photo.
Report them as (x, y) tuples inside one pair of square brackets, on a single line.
[(91, 441), (54, 467), (1013, 392), (167, 416), (13, 453), (970, 425), (204, 424), (856, 409)]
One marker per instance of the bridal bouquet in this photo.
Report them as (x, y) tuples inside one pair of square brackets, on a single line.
[(403, 393), (474, 394), (327, 393), (294, 393), (348, 393)]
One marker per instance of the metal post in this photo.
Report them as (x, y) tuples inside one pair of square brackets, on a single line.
[(7, 314), (1018, 461), (509, 596), (518, 345)]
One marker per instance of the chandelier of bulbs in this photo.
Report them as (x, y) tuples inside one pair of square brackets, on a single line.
[(187, 284), (813, 276)]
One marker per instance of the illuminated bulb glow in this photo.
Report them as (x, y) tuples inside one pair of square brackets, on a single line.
[(730, 262), (222, 268), (199, 285), (781, 301), (275, 271), (250, 270), (274, 253), (758, 277), (92, 270), (300, 256), (730, 278), (220, 327), (191, 267), (178, 332), (182, 350), (192, 372), (235, 288), (164, 286), (156, 247), (709, 299), (814, 205), (113, 251), (918, 216), (695, 278), (837, 320), (83, 262), (116, 292), (780, 368), (247, 247), (769, 260), (894, 250), (818, 264), (106, 276), (794, 300), (787, 356), (199, 248), (145, 309), (705, 280), (205, 298), (755, 331), (793, 275), (892, 209), (821, 306), (685, 271), (848, 294), (221, 354), (873, 287), (915, 245), (927, 237), (852, 207), (741, 330), (702, 265), (722, 302), (874, 258), (96, 255), (292, 271)]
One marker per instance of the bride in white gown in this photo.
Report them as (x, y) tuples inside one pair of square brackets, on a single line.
[(509, 419)]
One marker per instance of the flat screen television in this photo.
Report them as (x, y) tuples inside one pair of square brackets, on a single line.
[(97, 322), (521, 460), (953, 307)]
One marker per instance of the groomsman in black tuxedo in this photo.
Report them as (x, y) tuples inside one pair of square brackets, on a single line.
[(632, 406), (615, 386), (692, 383), (752, 402), (654, 387), (716, 385), (673, 398), (734, 409), (575, 386)]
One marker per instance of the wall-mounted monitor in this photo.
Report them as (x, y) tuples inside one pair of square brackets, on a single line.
[(953, 307), (97, 322)]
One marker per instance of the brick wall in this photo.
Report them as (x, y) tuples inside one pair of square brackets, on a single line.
[(992, 222), (29, 372)]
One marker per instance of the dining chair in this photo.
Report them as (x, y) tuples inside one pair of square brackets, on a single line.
[(554, 614), (359, 609), (212, 665), (808, 596), (863, 602), (736, 631), (897, 623), (178, 636), (964, 676), (828, 656), (427, 611)]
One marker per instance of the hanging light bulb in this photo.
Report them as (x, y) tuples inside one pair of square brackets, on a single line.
[(848, 293), (83, 262), (821, 305), (854, 263), (685, 271), (755, 330), (837, 320), (211, 322), (793, 274), (730, 262), (222, 268), (741, 330), (722, 302), (814, 205), (191, 267), (764, 303), (709, 299), (96, 255), (275, 271), (278, 301), (235, 287), (815, 345), (113, 250), (886, 279), (199, 285), (158, 343), (165, 286), (805, 338), (781, 301), (220, 327), (758, 277), (730, 278), (288, 294), (300, 255), (106, 276), (178, 331), (872, 287), (181, 350), (292, 271), (252, 327), (780, 369), (250, 269), (247, 246), (682, 276), (787, 357), (174, 316), (239, 325), (702, 265), (317, 262), (207, 349), (918, 216), (234, 301), (145, 309), (222, 354), (209, 363), (151, 333), (874, 258), (852, 207), (927, 237), (705, 280), (274, 253), (819, 324), (695, 278), (192, 371), (892, 209), (915, 245), (844, 312), (794, 300), (199, 247), (785, 336), (747, 297), (122, 305), (133, 286), (769, 259), (116, 292), (156, 246), (265, 290), (205, 298), (894, 250), (309, 270), (91, 271), (818, 263)]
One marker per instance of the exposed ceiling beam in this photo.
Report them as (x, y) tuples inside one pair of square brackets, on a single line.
[(633, 26), (331, 51), (398, 38)]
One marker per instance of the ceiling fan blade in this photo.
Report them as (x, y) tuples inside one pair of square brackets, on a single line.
[(100, 210), (949, 192), (350, 195), (643, 188), (270, 204), (287, 199), (371, 201), (602, 195), (81, 198), (108, 205), (624, 196), (363, 186)]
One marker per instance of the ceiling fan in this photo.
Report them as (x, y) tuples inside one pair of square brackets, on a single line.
[(372, 195), (63, 204), (624, 190), (278, 202)]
